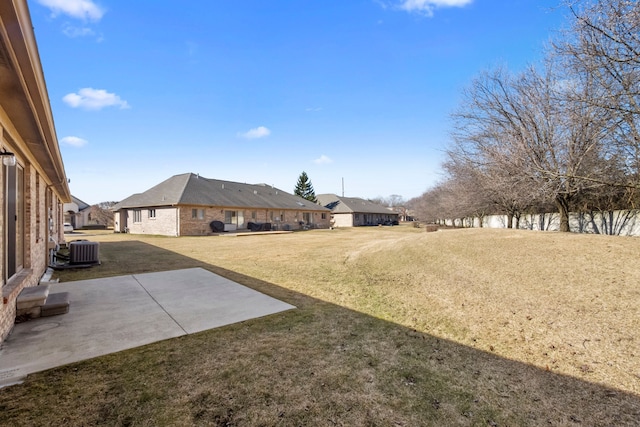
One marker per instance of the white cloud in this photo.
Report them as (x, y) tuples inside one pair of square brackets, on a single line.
[(94, 99), (73, 31), (427, 6), (259, 132), (323, 160), (86, 10), (74, 141)]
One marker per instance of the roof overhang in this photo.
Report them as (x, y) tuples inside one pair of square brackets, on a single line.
[(24, 98)]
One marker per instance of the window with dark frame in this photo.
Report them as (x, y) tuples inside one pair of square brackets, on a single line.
[(14, 207), (230, 217), (197, 213)]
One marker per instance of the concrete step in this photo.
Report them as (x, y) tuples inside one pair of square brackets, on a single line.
[(33, 296), (57, 303), (36, 301)]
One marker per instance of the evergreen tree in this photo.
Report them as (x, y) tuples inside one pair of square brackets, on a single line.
[(304, 188)]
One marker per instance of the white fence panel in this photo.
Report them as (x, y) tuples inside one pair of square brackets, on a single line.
[(616, 223)]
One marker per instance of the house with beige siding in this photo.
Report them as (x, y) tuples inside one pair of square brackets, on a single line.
[(354, 212), (77, 213), (188, 204), (33, 183)]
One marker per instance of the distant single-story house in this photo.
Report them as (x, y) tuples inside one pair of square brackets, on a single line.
[(33, 183), (187, 204), (77, 213), (353, 211)]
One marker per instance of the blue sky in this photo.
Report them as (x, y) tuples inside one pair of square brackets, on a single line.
[(258, 91)]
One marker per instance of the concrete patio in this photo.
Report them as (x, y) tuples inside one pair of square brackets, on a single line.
[(118, 313)]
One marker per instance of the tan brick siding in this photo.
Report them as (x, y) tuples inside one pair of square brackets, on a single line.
[(343, 220), (164, 223), (283, 218), (180, 221), (39, 202)]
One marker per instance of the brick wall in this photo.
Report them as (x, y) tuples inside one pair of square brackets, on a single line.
[(343, 220), (164, 223), (286, 219), (172, 221), (36, 256), (198, 226)]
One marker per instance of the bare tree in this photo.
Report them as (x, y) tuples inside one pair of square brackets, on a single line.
[(432, 205), (528, 132), (392, 201), (467, 187), (569, 134), (493, 186), (101, 214), (395, 200), (603, 46)]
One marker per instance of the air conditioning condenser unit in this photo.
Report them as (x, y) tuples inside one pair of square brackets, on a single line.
[(84, 252)]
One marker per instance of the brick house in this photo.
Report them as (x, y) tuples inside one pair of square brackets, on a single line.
[(353, 211), (33, 183), (186, 205)]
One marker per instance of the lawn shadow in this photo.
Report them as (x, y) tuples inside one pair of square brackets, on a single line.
[(322, 364)]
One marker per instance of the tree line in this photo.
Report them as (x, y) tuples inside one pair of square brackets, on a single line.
[(562, 136)]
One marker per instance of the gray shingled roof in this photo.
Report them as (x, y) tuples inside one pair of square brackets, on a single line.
[(81, 205), (194, 190), (339, 204)]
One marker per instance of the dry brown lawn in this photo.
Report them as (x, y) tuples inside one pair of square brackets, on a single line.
[(394, 327)]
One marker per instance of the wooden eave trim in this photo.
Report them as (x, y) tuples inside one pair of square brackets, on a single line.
[(23, 52)]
